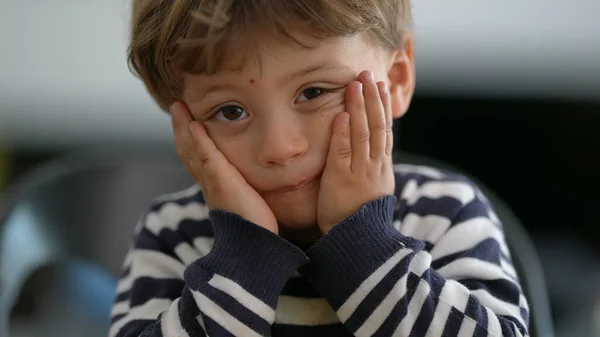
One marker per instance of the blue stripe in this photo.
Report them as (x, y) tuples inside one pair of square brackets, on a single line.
[(480, 251), (453, 323), (194, 329), (195, 198), (474, 209), (378, 294), (501, 289), (123, 296), (445, 206), (213, 328), (147, 288), (187, 307), (390, 324), (137, 327), (116, 318), (193, 229), (236, 309), (425, 316), (148, 241)]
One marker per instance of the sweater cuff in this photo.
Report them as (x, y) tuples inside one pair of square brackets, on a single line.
[(255, 258), (350, 252)]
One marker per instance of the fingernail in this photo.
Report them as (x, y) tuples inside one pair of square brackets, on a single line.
[(345, 118), (369, 77), (358, 87), (383, 88)]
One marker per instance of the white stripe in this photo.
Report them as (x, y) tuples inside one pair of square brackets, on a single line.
[(498, 306), (466, 235), (170, 215), (411, 187), (186, 253), (467, 328), (427, 171), (413, 310), (188, 192), (147, 311), (384, 309), (397, 224), (170, 322), (428, 228), (222, 317), (304, 311), (203, 245), (346, 310), (151, 264), (420, 263), (455, 295), (119, 308), (460, 191), (493, 326), (248, 300), (508, 268), (200, 321), (438, 323), (469, 267), (523, 302)]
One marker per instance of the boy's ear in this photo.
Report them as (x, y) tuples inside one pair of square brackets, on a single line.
[(401, 76)]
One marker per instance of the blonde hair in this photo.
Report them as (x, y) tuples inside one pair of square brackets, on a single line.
[(169, 37)]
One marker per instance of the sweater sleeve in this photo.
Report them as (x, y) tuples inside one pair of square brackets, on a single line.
[(232, 291), (383, 283)]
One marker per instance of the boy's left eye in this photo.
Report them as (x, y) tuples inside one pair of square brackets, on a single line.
[(310, 93)]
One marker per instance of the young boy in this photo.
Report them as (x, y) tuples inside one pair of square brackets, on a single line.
[(282, 112)]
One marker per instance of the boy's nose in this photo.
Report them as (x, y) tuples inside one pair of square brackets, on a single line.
[(281, 141)]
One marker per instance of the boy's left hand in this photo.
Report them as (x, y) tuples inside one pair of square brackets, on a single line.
[(359, 164)]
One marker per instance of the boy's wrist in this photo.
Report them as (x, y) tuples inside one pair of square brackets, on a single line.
[(354, 249), (250, 255)]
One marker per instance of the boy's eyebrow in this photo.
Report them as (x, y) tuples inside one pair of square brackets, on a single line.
[(314, 68), (198, 96)]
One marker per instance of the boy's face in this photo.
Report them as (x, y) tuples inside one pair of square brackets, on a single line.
[(270, 112)]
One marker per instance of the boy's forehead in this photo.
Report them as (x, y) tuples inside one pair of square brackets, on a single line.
[(276, 56)]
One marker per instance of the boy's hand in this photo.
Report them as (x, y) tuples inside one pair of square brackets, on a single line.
[(359, 163), (222, 184)]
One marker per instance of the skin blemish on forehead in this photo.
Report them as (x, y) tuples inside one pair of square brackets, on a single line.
[(251, 81)]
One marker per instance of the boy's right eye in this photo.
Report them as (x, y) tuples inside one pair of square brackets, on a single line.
[(230, 113)]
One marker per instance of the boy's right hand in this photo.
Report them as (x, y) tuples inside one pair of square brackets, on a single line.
[(222, 184)]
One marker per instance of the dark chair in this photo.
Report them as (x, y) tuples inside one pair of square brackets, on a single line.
[(65, 228)]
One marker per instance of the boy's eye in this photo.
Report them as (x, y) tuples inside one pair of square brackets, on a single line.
[(230, 113), (310, 93)]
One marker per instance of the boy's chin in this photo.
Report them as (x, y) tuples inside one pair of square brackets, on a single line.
[(295, 212)]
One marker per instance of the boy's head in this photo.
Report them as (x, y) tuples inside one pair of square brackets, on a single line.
[(267, 77)]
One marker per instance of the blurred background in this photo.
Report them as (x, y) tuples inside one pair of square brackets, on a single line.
[(508, 92)]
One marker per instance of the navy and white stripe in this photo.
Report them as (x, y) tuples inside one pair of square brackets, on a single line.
[(429, 261)]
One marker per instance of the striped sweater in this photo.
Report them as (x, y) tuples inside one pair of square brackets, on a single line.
[(429, 261)]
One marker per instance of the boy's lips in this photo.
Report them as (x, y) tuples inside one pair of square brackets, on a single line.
[(301, 184)]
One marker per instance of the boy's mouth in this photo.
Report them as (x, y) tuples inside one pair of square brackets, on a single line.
[(301, 184)]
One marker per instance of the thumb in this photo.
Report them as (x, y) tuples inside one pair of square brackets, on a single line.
[(340, 148)]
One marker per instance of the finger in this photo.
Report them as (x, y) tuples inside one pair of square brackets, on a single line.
[(181, 119), (375, 115), (359, 126), (209, 160), (340, 147), (387, 106)]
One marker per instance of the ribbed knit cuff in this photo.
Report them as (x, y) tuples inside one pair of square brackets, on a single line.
[(349, 253), (255, 258)]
